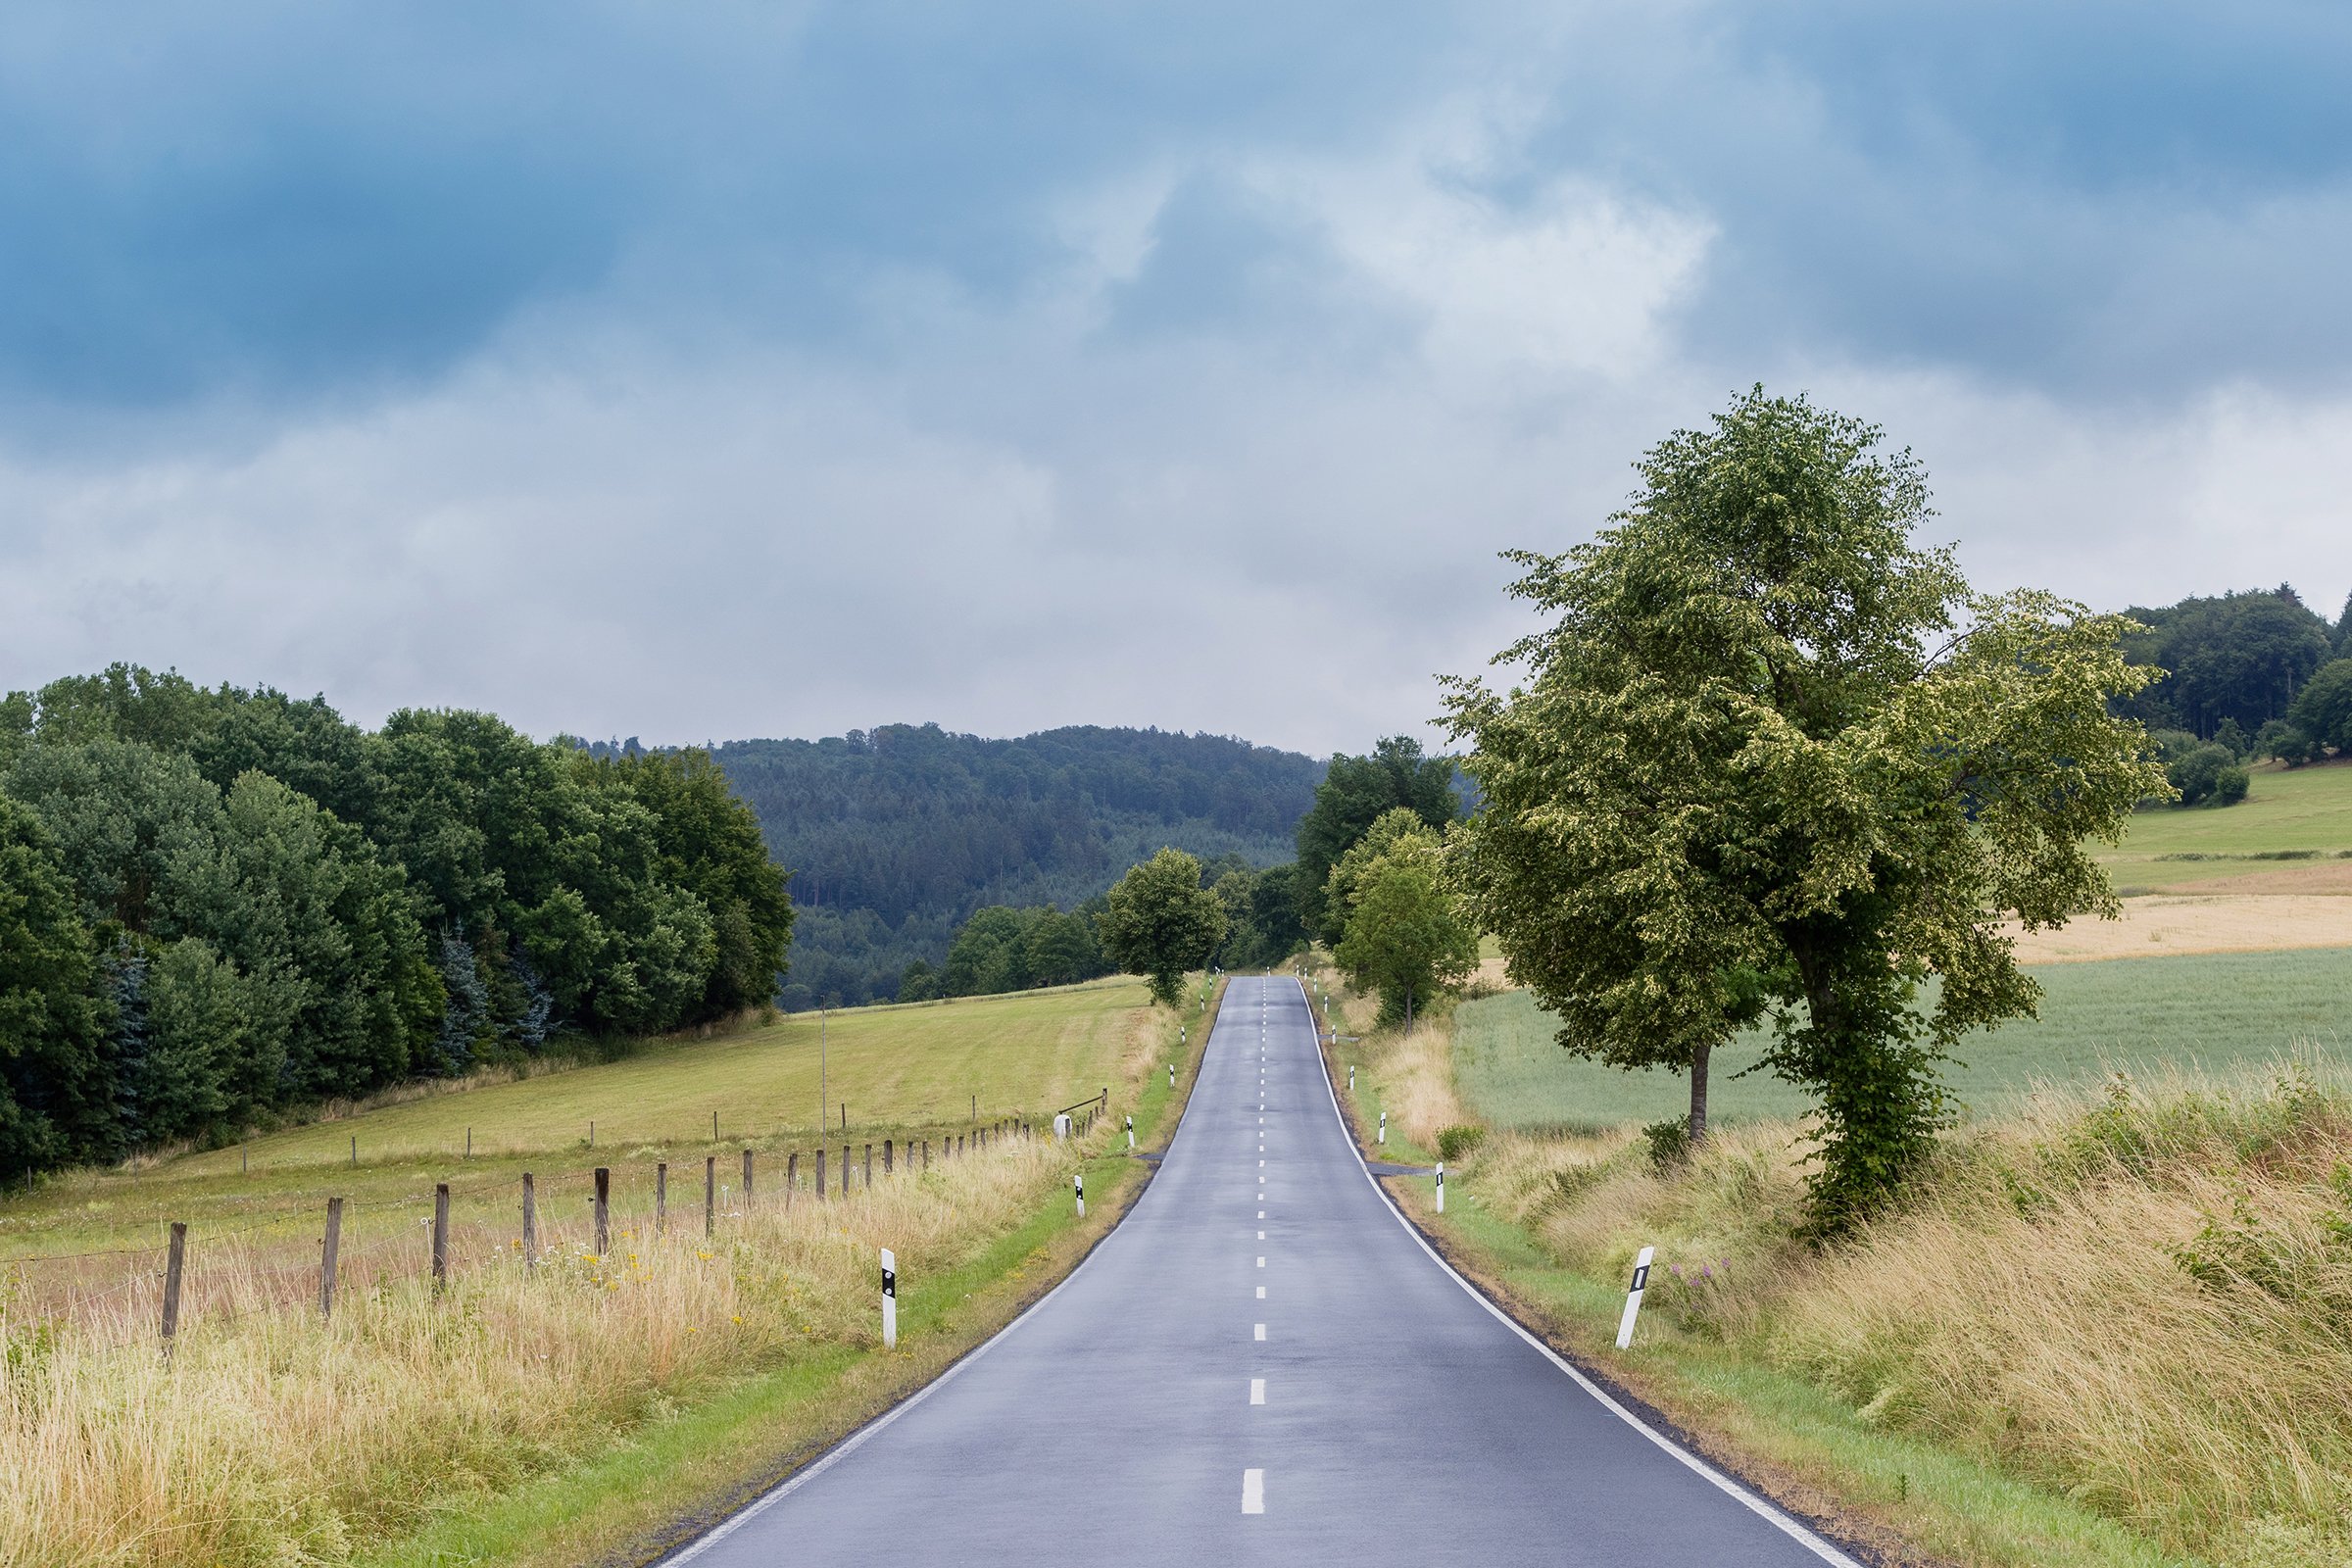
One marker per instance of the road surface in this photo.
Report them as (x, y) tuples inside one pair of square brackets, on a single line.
[(1262, 1365)]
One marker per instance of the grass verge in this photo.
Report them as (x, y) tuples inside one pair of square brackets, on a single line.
[(576, 1411), (2106, 1333)]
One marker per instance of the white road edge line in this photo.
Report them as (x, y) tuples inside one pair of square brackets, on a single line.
[(1761, 1508)]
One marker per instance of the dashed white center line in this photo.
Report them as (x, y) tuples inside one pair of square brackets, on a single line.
[(1261, 1331), (1261, 1262), (1254, 1492), (1261, 1292), (1257, 1391)]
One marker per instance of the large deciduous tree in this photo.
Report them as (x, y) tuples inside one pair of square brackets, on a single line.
[(1163, 922), (1354, 793), (1770, 751), (1406, 935)]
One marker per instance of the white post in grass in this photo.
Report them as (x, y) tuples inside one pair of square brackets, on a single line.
[(1171, 1075), (1061, 1127), (890, 1300), (1131, 1134), (1440, 1187), (1633, 1297), (1079, 1182), (1384, 1129), (1351, 1077)]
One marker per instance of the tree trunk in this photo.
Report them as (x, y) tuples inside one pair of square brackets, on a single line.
[(1698, 1094)]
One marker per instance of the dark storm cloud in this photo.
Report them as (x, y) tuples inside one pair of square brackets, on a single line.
[(722, 368)]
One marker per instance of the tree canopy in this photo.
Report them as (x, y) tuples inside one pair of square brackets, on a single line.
[(1354, 793), (1772, 752), (1161, 922), (2240, 658), (1406, 936), (276, 906)]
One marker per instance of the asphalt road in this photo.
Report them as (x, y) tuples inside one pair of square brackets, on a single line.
[(1261, 1364)]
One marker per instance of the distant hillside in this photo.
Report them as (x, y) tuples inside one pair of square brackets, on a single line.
[(893, 836)]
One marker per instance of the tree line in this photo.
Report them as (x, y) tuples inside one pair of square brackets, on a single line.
[(2237, 678), (898, 835), (217, 906)]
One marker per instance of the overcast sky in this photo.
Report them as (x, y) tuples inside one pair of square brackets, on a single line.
[(698, 370)]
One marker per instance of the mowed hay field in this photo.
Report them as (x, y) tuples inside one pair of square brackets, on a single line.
[(2293, 833), (397, 1429), (903, 1071)]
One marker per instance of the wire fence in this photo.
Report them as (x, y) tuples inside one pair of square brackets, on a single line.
[(329, 1250)]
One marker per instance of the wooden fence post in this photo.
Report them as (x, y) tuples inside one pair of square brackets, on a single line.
[(604, 1210), (869, 1167), (661, 1197), (531, 1223), (926, 1154), (355, 1150), (746, 1178), (710, 1194), (172, 1272), (327, 1250), (469, 1142), (792, 1177), (885, 1157), (820, 1175), (845, 1170), (440, 1236)]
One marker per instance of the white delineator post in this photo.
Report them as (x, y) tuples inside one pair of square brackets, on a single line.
[(1079, 1183), (1062, 1128), (1131, 1134), (1440, 1187), (1171, 1075), (890, 1300), (1383, 1127), (1633, 1297), (1351, 1077)]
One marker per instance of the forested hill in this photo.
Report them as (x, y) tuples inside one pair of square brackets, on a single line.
[(895, 835)]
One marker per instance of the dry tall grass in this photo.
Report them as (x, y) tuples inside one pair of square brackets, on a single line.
[(272, 1437), (2144, 1304)]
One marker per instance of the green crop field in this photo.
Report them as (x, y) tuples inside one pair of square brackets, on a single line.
[(2306, 812), (920, 1070), (2143, 1016)]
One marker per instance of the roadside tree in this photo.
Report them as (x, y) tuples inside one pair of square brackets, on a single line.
[(1161, 922), (1770, 753), (1407, 937)]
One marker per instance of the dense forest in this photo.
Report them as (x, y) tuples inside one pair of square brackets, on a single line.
[(218, 904), (896, 836), (2247, 676)]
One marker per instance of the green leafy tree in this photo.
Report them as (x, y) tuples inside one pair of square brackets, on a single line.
[(1061, 950), (1406, 935), (2242, 655), (55, 1100), (1354, 793), (1754, 763), (1162, 923), (2322, 710), (918, 982), (1387, 832)]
